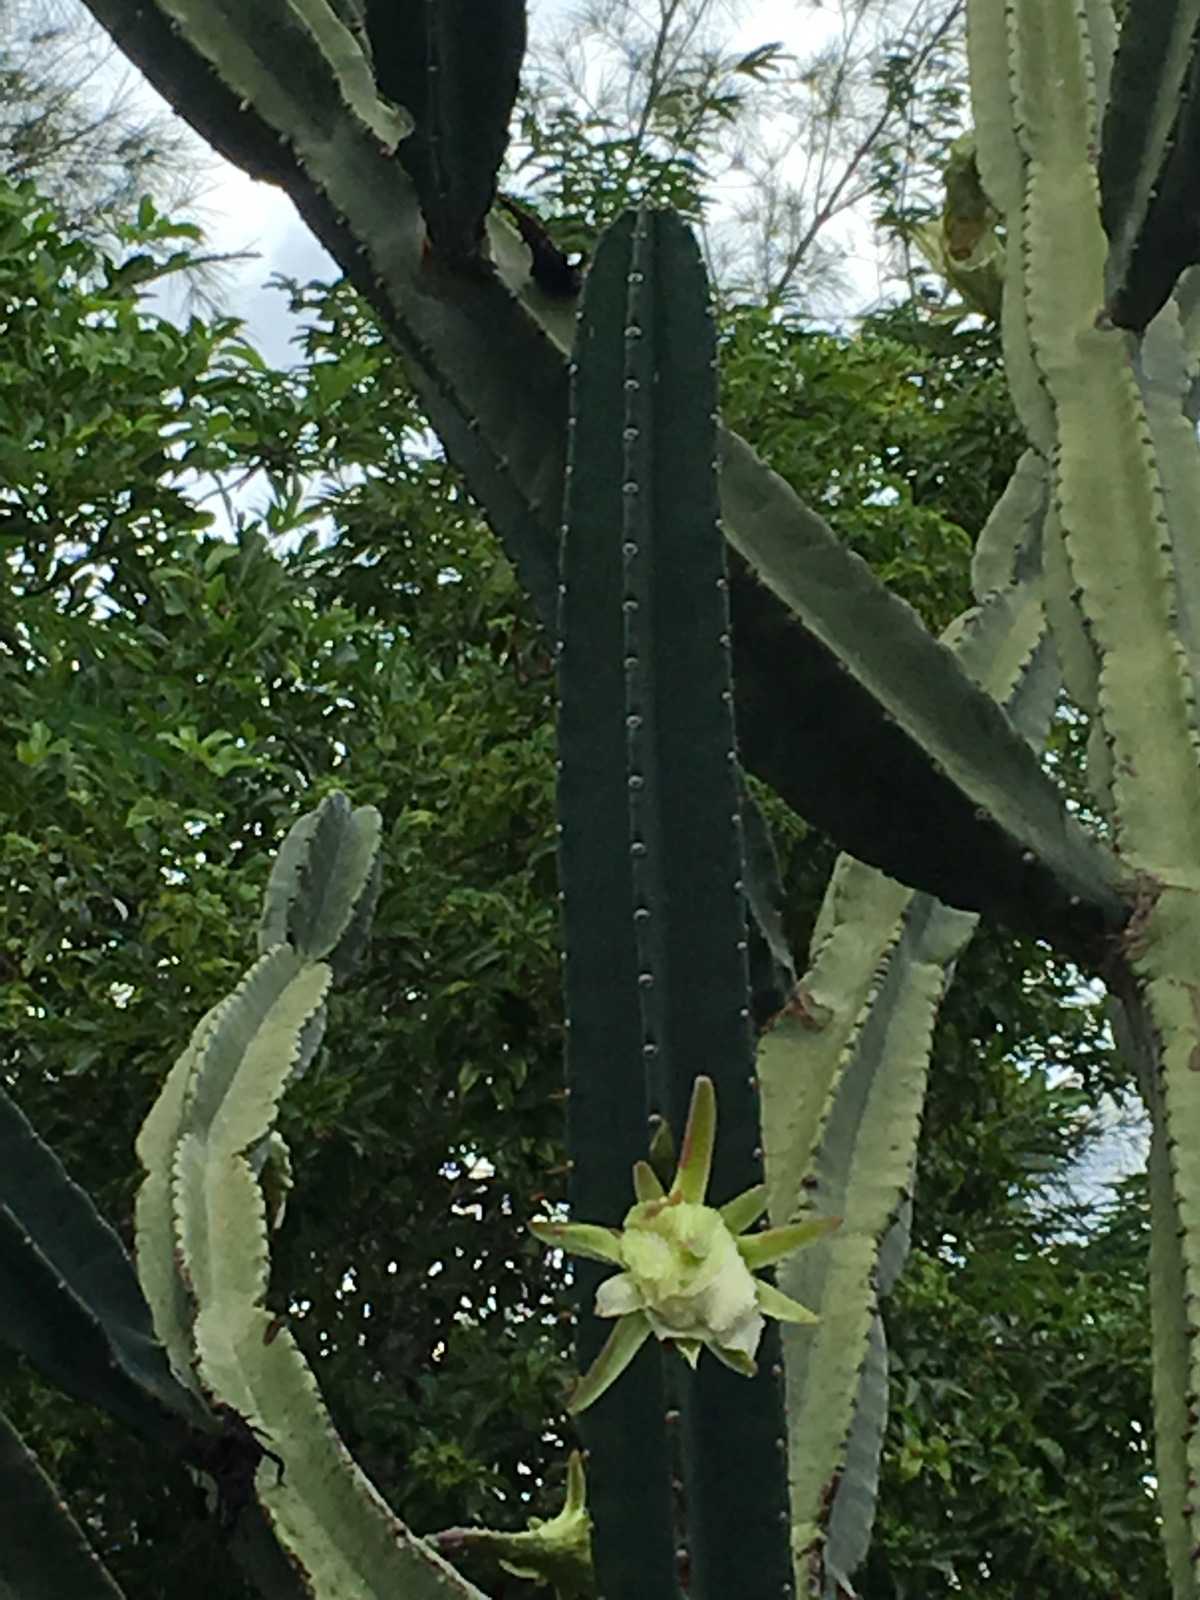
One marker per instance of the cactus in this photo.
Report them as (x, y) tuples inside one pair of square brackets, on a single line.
[(43, 1553), (493, 382), (202, 1217), (69, 1297), (920, 757), (656, 972)]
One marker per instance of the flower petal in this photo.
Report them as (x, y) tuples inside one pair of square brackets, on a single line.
[(689, 1349), (622, 1344), (645, 1182), (744, 1210), (737, 1359), (774, 1303), (695, 1160), (580, 1239), (576, 1500), (761, 1249), (617, 1297)]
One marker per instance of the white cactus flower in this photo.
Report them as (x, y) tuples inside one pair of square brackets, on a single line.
[(687, 1269)]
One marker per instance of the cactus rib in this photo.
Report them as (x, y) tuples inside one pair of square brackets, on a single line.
[(43, 1553)]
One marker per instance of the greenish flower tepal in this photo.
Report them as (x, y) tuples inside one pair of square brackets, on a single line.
[(687, 1269)]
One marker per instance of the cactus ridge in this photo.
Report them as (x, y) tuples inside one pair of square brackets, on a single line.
[(43, 1554), (69, 1297), (689, 877), (1124, 469), (1149, 152)]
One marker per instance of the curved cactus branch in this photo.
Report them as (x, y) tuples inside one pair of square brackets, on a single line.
[(203, 1222)]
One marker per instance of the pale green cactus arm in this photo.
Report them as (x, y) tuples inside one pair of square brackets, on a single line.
[(1002, 170), (842, 1076), (1123, 478), (203, 1222)]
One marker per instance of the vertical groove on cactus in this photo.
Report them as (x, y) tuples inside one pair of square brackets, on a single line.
[(998, 156)]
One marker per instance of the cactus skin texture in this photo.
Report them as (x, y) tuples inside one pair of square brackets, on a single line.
[(653, 908), (203, 1224)]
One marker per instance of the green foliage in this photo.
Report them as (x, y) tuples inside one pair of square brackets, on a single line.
[(168, 702), (1018, 1454)]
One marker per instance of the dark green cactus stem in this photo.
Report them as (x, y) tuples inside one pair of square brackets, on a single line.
[(69, 1297), (453, 64), (1150, 158), (653, 729), (43, 1552), (608, 1123)]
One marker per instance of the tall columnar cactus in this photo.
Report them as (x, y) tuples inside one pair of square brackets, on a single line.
[(381, 119), (651, 865)]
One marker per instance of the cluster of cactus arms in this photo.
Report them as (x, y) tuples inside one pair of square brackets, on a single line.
[(708, 624)]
